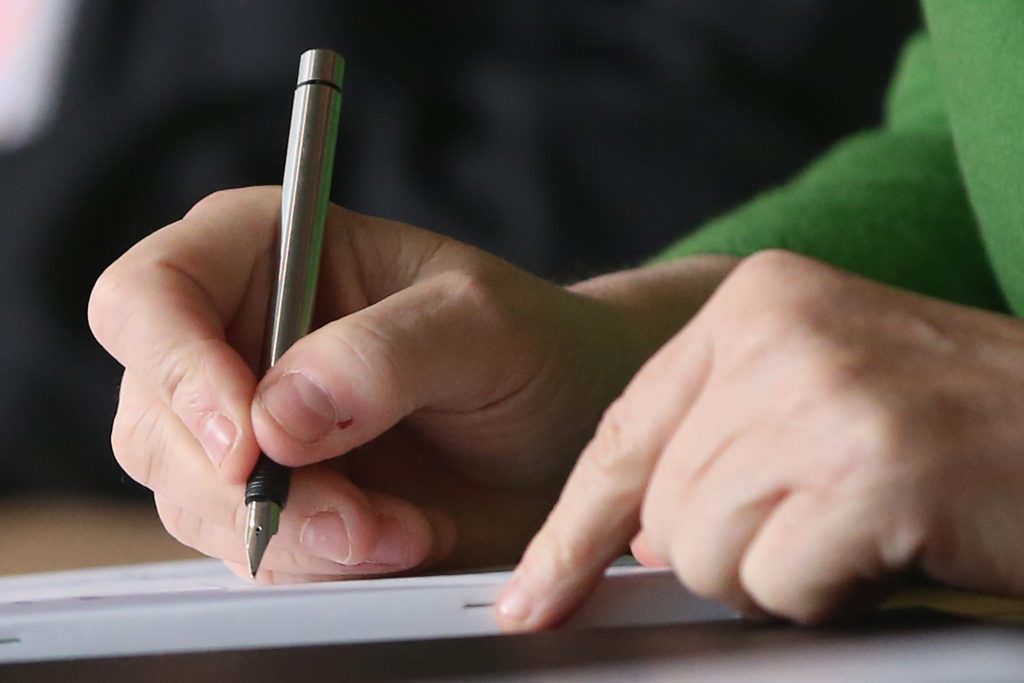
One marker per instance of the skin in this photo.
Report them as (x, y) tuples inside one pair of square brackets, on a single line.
[(792, 438), (806, 440), (448, 393)]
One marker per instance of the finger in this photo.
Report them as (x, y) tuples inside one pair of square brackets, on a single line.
[(327, 516), (404, 540), (598, 510), (726, 472), (710, 493), (817, 557), (640, 546), (444, 533), (153, 447), (162, 309), (432, 345)]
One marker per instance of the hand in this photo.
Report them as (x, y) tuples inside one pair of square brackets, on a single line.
[(807, 438), (458, 389)]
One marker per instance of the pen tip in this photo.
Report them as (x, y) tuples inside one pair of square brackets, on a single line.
[(254, 561), (260, 527)]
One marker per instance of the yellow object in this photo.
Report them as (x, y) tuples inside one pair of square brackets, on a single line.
[(959, 603)]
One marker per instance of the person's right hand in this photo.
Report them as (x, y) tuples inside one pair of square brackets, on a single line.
[(457, 389)]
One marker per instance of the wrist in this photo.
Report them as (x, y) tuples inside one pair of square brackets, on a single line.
[(609, 328), (652, 303)]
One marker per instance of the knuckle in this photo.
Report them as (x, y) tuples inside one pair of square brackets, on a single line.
[(609, 464), (880, 439), (554, 560), (805, 317), (137, 443), (770, 267), (109, 306), (610, 442), (214, 202), (784, 326), (597, 476), (478, 288), (172, 367), (375, 345), (775, 295), (180, 378), (838, 373)]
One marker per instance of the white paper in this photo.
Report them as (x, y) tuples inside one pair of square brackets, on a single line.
[(200, 605)]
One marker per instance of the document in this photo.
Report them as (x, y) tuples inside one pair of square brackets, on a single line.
[(199, 605)]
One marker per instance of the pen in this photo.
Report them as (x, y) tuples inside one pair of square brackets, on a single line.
[(305, 193)]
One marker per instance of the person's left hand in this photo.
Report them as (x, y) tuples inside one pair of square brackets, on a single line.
[(809, 437)]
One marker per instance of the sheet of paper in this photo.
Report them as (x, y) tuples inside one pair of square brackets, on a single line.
[(200, 605)]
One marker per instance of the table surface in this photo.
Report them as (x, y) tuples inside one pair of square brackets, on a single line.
[(50, 534)]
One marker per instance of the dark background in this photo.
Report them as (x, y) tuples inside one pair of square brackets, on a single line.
[(570, 136)]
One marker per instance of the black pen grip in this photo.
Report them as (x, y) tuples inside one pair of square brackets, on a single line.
[(269, 481)]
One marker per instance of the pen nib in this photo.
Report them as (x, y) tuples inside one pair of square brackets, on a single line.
[(260, 527)]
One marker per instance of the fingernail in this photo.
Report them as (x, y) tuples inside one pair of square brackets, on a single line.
[(392, 545), (514, 602), (300, 406), (217, 436), (325, 535)]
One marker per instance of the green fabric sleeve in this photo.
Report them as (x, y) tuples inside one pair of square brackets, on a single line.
[(979, 50), (888, 204)]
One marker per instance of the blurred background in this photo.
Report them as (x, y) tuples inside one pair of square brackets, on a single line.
[(569, 136)]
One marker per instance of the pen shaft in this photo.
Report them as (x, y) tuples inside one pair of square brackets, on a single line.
[(305, 195), (304, 198)]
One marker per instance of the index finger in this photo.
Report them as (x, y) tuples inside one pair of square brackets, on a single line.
[(163, 308), (598, 511)]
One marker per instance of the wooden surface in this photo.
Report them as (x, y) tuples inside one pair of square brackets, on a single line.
[(51, 534)]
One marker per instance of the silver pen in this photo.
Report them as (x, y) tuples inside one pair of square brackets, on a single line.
[(305, 194)]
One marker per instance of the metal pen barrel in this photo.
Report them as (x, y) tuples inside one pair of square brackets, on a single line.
[(304, 198), (316, 110)]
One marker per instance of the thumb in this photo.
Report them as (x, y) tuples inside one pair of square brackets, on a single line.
[(434, 345)]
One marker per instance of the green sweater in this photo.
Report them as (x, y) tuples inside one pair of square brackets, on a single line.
[(933, 200)]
